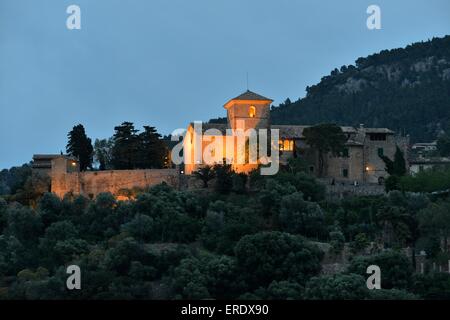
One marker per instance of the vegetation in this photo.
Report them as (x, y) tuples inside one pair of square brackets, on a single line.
[(127, 149), (395, 168), (325, 138), (426, 181), (262, 238), (205, 174), (80, 146), (249, 237), (406, 90), (131, 150)]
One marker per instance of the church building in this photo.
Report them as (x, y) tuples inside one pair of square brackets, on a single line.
[(359, 163)]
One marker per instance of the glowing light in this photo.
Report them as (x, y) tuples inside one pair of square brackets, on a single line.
[(252, 111)]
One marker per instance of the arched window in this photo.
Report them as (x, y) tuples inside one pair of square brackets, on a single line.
[(252, 111)]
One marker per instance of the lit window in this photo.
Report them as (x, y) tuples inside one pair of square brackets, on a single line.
[(286, 145), (252, 112)]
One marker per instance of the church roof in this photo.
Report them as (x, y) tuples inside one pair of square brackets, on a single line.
[(249, 95), (296, 131), (222, 127)]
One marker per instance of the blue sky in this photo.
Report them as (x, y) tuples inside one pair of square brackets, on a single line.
[(167, 63)]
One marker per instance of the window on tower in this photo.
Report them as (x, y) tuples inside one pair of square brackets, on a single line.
[(252, 112)]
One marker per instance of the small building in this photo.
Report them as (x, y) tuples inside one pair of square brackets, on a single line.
[(44, 162), (424, 146), (420, 163)]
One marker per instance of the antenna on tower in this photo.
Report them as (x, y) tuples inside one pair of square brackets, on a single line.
[(247, 80)]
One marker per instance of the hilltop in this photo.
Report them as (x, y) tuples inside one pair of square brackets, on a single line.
[(405, 89)]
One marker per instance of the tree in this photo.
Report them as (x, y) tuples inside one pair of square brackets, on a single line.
[(140, 228), (103, 153), (325, 138), (432, 286), (189, 280), (35, 186), (443, 145), (14, 179), (80, 146), (224, 178), (271, 194), (268, 256), (399, 215), (337, 241), (284, 290), (337, 287), (23, 224), (225, 224), (396, 268), (126, 147), (360, 243), (152, 150), (434, 221), (312, 190), (301, 217), (392, 294), (399, 165), (395, 169), (205, 174)]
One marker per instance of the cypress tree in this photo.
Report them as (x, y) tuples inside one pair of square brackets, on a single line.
[(80, 146)]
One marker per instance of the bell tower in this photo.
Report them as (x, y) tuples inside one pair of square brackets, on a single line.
[(250, 108)]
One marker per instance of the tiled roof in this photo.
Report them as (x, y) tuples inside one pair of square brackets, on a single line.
[(290, 131), (222, 127), (249, 95), (431, 160), (287, 131), (296, 132), (378, 130), (52, 156)]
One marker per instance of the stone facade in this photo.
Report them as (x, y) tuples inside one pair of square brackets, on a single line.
[(420, 163), (360, 164), (66, 180)]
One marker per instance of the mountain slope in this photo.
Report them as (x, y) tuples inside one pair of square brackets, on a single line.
[(406, 90)]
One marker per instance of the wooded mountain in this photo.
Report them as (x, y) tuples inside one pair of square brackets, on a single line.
[(406, 90)]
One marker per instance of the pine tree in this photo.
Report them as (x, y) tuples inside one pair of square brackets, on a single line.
[(80, 146), (399, 163), (126, 146), (152, 149), (102, 153)]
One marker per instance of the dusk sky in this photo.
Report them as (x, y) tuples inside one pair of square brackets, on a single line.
[(167, 63)]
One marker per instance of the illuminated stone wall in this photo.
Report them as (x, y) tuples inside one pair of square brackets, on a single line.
[(90, 184)]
